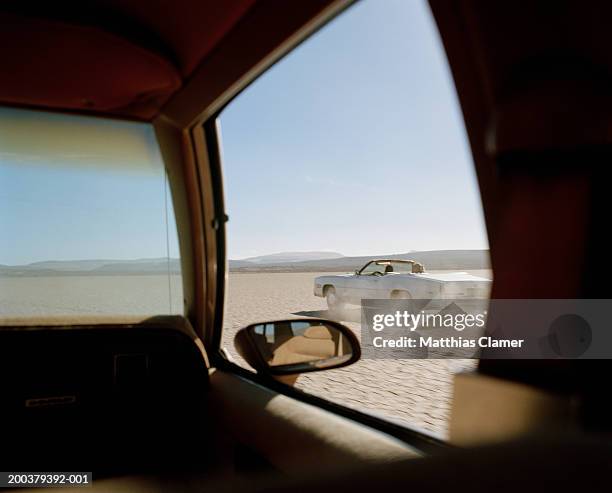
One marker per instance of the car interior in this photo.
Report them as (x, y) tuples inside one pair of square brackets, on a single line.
[(153, 404)]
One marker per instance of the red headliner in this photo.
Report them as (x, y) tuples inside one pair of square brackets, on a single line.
[(120, 57)]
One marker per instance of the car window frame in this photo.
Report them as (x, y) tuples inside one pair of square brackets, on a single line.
[(361, 271), (190, 127)]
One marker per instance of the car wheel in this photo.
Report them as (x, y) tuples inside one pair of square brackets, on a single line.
[(400, 295), (333, 301), (404, 295)]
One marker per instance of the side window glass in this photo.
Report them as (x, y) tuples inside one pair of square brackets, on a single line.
[(86, 219)]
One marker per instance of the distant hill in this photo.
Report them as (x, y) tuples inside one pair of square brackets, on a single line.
[(91, 267), (433, 260), (284, 257), (155, 266), (307, 262)]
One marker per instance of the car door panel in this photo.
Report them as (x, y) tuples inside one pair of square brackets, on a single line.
[(293, 435), (364, 287)]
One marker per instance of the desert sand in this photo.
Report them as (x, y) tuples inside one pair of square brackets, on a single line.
[(414, 392)]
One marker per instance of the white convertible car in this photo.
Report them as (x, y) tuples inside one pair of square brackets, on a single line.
[(398, 279)]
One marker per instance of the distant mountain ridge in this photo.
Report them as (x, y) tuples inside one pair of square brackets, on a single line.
[(433, 260), (306, 262), (92, 267)]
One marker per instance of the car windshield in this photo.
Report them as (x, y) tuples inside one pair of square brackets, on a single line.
[(398, 267), (387, 267)]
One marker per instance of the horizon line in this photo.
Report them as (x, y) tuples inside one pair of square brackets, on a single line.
[(240, 259)]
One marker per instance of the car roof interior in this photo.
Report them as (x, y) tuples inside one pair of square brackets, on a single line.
[(120, 58), (535, 85)]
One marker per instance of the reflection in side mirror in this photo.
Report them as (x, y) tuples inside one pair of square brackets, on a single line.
[(288, 347)]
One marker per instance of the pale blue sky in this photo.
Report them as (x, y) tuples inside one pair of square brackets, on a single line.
[(354, 143), (75, 188)]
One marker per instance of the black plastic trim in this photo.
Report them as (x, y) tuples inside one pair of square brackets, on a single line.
[(213, 146)]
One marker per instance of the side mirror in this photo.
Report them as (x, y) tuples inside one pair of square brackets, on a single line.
[(289, 347), (356, 272)]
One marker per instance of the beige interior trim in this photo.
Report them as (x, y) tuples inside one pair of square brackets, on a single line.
[(66, 321), (294, 435), (177, 152), (488, 410)]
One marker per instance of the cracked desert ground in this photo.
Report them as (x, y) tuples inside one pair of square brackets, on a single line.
[(413, 392)]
